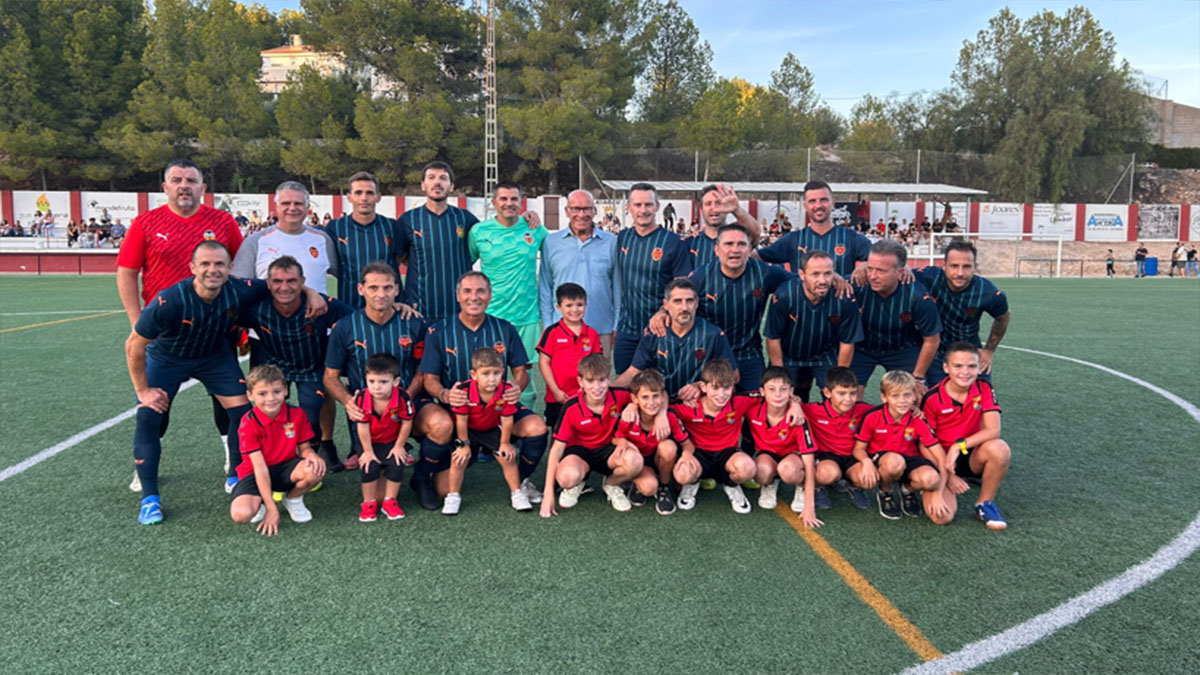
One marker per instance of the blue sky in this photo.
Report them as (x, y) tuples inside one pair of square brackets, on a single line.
[(856, 47)]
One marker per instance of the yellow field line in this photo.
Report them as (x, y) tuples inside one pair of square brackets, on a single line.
[(891, 616), (51, 323)]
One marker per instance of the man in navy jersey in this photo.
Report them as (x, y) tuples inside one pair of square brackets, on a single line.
[(362, 237), (380, 328), (435, 235), (845, 245), (962, 298), (681, 353), (446, 372), (900, 322), (733, 292), (648, 258), (294, 343), (182, 333), (716, 203), (809, 330)]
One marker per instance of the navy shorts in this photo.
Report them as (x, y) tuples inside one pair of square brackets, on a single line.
[(220, 373), (281, 479), (864, 362)]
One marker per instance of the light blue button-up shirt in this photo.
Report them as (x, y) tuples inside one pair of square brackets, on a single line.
[(588, 263)]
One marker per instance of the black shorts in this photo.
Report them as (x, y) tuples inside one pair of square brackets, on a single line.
[(712, 464), (844, 462), (911, 464), (597, 460), (281, 479), (962, 465), (551, 414), (387, 467), (773, 455)]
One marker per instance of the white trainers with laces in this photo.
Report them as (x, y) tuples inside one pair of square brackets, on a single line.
[(570, 496), (519, 500), (532, 493), (798, 500), (616, 497), (262, 513), (451, 504), (135, 485), (687, 496), (296, 509), (737, 498), (768, 495)]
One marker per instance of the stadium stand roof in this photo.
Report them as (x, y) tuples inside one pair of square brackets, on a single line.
[(838, 188)]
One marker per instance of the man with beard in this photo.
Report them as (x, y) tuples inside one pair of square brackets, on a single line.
[(809, 330), (716, 203), (362, 237), (846, 246)]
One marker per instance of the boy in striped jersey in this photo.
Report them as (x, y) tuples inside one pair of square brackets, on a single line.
[(809, 330), (362, 237), (648, 258), (962, 298), (435, 236), (901, 327), (716, 203), (689, 343)]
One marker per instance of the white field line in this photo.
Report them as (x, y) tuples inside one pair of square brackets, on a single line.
[(65, 311), (1022, 635)]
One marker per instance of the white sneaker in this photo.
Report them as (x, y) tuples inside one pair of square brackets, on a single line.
[(687, 496), (225, 447), (451, 504), (798, 500), (519, 500), (262, 513), (768, 495), (296, 509), (532, 493), (616, 497), (737, 498), (135, 485), (570, 496)]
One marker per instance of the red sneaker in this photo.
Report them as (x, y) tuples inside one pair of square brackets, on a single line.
[(391, 509), (351, 463), (368, 512)]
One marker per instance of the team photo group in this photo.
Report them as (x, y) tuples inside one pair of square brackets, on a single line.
[(672, 364)]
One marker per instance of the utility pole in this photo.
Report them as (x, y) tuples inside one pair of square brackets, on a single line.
[(491, 140)]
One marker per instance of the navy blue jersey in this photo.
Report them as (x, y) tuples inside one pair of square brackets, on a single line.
[(845, 245), (183, 326), (898, 321), (736, 306), (810, 334), (704, 250), (437, 257), (357, 245), (645, 265), (449, 345), (356, 338), (960, 311), (680, 359), (295, 344)]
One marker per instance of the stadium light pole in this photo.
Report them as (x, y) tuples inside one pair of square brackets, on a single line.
[(491, 140)]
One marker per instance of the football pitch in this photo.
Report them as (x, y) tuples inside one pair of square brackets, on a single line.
[(1105, 473)]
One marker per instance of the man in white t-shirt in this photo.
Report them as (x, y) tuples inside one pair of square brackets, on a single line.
[(290, 236)]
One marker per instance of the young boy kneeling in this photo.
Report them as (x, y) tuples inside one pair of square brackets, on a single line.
[(895, 446), (833, 423), (488, 421), (382, 432), (783, 451), (277, 455), (649, 392)]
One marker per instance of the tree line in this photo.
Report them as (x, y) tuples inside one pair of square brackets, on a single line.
[(102, 93)]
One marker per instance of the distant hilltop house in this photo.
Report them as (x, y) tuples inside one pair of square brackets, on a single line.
[(280, 63)]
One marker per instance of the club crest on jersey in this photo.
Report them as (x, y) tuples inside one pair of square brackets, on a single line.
[(499, 347), (834, 318), (976, 402), (839, 249), (312, 250), (528, 237), (758, 293), (308, 328), (730, 418), (614, 412), (853, 426), (209, 235), (782, 434), (387, 241), (906, 317), (972, 311), (405, 341), (289, 430), (700, 354), (396, 416), (499, 405), (909, 434), (230, 312), (459, 231), (586, 344), (656, 254)]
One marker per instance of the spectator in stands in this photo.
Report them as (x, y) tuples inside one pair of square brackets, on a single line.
[(48, 223), (1178, 256), (1139, 257), (892, 227), (1193, 265), (72, 233), (118, 234), (1110, 265), (255, 220), (105, 219), (952, 226), (325, 221), (242, 221)]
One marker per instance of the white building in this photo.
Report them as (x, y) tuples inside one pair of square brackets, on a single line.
[(279, 63)]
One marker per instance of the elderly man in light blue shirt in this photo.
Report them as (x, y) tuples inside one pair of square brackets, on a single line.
[(585, 255)]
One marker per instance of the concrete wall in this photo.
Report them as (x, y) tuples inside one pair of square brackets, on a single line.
[(1176, 125), (999, 258)]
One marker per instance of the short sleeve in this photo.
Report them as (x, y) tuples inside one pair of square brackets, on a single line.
[(159, 315), (644, 356), (431, 360), (775, 277), (864, 429), (924, 433), (862, 247), (678, 433), (720, 349), (925, 314), (681, 264), (132, 254), (997, 304), (247, 256), (777, 315), (515, 352), (249, 439), (989, 402), (335, 353), (781, 251), (850, 328), (544, 346), (304, 430)]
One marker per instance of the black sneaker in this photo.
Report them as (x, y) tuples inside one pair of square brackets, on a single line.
[(637, 498), (425, 494), (328, 452), (910, 504), (664, 501), (821, 499), (888, 508)]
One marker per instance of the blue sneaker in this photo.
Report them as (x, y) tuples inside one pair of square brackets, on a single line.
[(990, 514), (230, 483), (860, 498), (151, 511), (821, 499)]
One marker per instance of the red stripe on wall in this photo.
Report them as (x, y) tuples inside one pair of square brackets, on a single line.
[(337, 206), (1027, 221), (1080, 221), (1185, 222), (143, 202), (973, 218), (462, 203), (76, 206), (270, 204), (1131, 223), (208, 199), (6, 206), (919, 213)]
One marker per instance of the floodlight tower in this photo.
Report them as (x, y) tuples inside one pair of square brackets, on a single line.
[(491, 141)]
